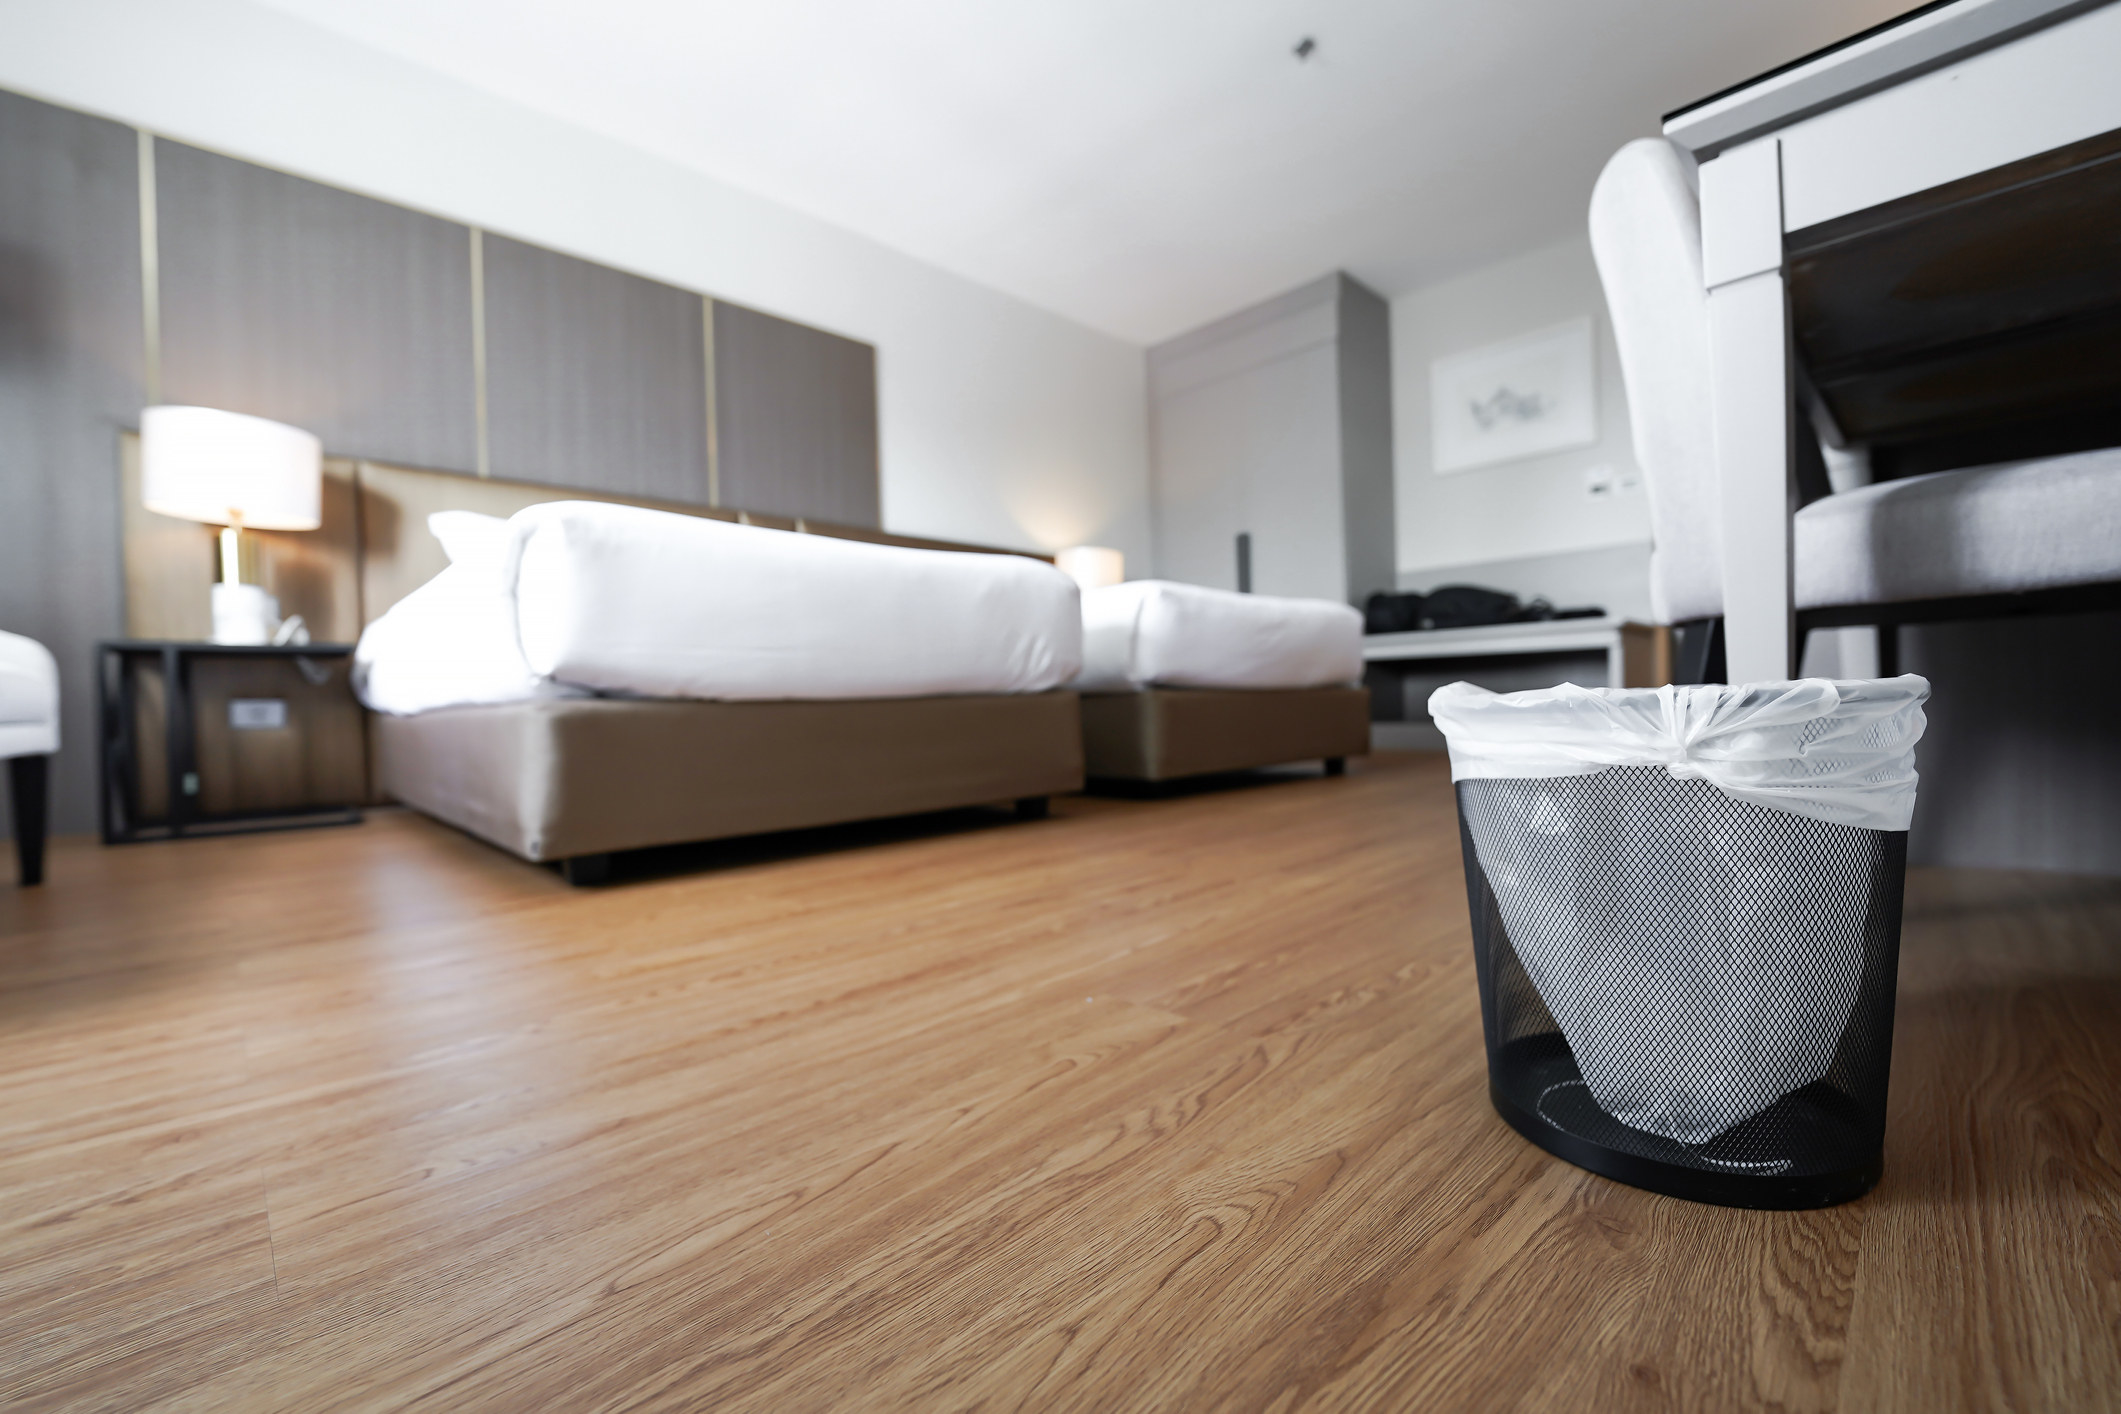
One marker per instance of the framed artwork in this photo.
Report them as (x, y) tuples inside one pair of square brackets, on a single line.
[(1520, 398)]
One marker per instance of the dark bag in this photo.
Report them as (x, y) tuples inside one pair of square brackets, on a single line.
[(1470, 606), (1457, 606), (1391, 613)]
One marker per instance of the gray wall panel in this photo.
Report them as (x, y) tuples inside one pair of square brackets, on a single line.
[(1366, 441), (70, 379), (795, 419), (348, 317), (1246, 437), (595, 378)]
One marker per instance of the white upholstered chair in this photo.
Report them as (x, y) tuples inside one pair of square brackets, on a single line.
[(2032, 536), (29, 734)]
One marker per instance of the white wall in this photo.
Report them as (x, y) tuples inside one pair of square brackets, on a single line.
[(1000, 422), (1535, 508)]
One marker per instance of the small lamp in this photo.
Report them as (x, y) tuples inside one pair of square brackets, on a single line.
[(242, 473), (1092, 566)]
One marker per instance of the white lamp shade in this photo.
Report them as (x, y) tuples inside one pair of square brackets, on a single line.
[(1092, 566), (229, 469)]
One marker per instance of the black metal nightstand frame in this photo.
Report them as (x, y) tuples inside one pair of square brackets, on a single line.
[(115, 707)]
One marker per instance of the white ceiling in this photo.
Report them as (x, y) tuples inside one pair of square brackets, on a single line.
[(1141, 166)]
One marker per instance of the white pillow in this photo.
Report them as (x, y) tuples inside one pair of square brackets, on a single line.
[(452, 641), (477, 543)]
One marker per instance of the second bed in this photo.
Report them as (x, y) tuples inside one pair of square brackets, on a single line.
[(1180, 680)]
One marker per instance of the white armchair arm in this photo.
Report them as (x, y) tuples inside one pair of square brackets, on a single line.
[(29, 698), (29, 734)]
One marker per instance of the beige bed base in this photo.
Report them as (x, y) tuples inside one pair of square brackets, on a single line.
[(1163, 734), (574, 780)]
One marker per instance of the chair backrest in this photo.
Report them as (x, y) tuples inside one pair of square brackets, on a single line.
[(1646, 238)]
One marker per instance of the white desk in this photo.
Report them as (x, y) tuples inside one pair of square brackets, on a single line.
[(1636, 655), (1616, 638), (1943, 94)]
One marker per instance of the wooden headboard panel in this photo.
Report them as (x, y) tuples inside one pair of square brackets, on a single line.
[(373, 548)]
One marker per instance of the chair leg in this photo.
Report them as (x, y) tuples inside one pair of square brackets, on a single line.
[(29, 788), (1699, 656)]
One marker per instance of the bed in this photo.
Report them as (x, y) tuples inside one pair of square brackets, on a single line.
[(584, 678), (1180, 680)]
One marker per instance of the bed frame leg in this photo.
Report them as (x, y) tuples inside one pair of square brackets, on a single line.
[(586, 870), (1034, 807), (1336, 765)]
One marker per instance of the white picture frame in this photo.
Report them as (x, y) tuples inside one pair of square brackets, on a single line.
[(1523, 397)]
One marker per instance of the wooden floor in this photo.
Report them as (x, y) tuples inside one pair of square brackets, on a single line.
[(1157, 1104)]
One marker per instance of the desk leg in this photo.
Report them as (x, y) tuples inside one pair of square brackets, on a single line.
[(1749, 356), (1747, 337)]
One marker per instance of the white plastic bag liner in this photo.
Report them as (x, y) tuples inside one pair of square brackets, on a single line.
[(1840, 751), (1699, 955)]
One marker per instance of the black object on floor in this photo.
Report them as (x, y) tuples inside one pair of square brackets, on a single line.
[(1682, 991)]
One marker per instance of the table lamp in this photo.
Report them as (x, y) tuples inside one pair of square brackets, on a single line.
[(238, 472), (1092, 566)]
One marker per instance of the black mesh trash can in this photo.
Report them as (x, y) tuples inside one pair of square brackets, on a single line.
[(1684, 988)]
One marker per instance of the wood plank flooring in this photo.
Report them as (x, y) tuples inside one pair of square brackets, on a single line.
[(1154, 1105)]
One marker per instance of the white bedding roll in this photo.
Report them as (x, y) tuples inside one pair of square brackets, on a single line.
[(1153, 632), (626, 600), (452, 641)]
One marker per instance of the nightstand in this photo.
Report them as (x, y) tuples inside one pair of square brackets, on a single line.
[(213, 738)]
